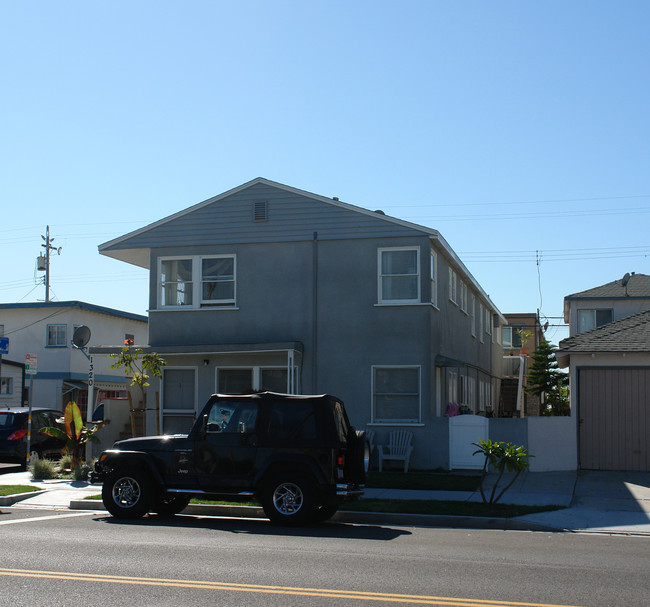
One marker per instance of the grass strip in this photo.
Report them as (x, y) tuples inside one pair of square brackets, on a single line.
[(16, 489), (430, 507)]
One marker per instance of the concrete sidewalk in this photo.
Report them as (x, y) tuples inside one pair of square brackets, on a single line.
[(598, 502)]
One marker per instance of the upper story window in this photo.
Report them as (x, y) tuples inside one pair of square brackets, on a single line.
[(218, 280), (472, 311), (453, 286), (512, 336), (57, 335), (192, 282), (176, 284), (590, 319), (399, 275), (434, 278), (463, 296)]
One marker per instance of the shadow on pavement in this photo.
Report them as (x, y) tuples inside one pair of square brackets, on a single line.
[(332, 530)]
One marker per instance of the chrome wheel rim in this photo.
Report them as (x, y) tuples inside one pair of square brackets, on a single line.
[(126, 492), (288, 498)]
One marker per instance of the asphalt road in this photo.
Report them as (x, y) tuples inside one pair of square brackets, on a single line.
[(63, 557)]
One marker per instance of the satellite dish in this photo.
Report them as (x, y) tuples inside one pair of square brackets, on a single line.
[(81, 336), (625, 279)]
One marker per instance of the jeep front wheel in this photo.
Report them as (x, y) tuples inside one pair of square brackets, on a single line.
[(128, 494), (289, 500)]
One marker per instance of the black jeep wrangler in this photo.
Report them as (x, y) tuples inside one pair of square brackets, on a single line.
[(298, 455)]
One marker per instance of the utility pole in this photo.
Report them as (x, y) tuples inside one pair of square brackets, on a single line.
[(48, 247)]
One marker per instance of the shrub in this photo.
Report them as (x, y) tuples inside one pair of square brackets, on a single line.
[(501, 457), (65, 463), (44, 469), (81, 472)]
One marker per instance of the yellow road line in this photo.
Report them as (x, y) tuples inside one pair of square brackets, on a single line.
[(255, 588)]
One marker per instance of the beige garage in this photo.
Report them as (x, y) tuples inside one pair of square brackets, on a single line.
[(614, 418)]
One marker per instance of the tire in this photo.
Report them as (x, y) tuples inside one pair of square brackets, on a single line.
[(358, 459), (128, 494), (290, 500), (169, 505), (326, 512)]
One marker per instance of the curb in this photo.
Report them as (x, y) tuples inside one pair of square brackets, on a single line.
[(10, 500), (354, 517)]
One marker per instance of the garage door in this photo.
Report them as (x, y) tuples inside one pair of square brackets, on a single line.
[(614, 419)]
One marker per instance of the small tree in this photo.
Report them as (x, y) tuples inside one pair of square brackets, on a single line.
[(502, 457), (138, 369), (76, 434), (547, 381)]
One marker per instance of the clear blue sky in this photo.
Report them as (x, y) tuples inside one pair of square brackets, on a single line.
[(519, 130)]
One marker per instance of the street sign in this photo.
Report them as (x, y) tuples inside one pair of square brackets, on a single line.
[(31, 364), (4, 345)]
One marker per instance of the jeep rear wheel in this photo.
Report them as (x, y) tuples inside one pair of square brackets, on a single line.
[(326, 512), (289, 500), (128, 494)]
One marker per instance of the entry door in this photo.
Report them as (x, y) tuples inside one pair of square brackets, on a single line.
[(225, 455)]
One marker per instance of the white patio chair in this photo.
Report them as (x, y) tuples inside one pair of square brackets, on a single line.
[(399, 448)]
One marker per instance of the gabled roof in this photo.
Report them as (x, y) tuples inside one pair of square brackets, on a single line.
[(73, 304), (105, 247), (638, 285), (137, 254), (629, 335)]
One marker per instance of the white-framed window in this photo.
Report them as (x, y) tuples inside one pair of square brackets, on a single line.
[(471, 393), (218, 280), (434, 278), (179, 398), (453, 285), (463, 396), (488, 321), (485, 394), (463, 296), (452, 386), (396, 395), (481, 320), (197, 281), (57, 336), (512, 336), (175, 276), (6, 386), (399, 275), (591, 319), (472, 312)]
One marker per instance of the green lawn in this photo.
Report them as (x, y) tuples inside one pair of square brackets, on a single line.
[(16, 489)]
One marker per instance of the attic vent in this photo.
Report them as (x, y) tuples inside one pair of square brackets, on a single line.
[(260, 210)]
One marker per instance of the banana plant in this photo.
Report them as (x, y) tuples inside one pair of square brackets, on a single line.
[(501, 457), (76, 434)]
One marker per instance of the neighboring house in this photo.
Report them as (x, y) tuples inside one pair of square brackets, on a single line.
[(515, 401), (601, 305), (46, 330), (609, 368), (267, 287), (12, 383)]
